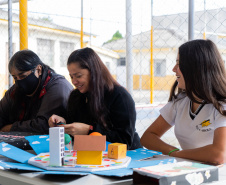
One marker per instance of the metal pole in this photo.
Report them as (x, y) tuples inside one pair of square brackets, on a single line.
[(191, 20), (23, 25), (90, 20), (204, 32), (10, 43), (129, 61), (152, 60), (81, 33)]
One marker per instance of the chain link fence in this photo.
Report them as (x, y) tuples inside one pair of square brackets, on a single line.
[(54, 32)]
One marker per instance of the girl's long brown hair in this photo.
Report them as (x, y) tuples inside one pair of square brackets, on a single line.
[(204, 73), (100, 80)]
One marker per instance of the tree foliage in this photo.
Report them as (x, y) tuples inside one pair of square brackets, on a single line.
[(117, 35)]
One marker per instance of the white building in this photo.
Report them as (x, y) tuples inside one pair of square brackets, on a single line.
[(52, 43), (170, 31), (56, 146)]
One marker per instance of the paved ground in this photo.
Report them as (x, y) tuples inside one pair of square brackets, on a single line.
[(143, 96), (147, 113)]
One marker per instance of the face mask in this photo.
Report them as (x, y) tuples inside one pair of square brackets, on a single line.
[(28, 84)]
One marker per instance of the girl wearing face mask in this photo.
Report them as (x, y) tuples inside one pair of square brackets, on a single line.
[(99, 103), (196, 107), (38, 92)]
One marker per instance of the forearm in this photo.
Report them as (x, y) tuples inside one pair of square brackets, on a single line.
[(209, 153), (6, 128), (38, 124), (154, 142), (212, 153)]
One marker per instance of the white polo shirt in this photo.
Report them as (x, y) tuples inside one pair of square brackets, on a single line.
[(197, 132)]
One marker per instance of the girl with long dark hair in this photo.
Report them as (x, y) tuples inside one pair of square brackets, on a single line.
[(196, 106), (98, 103)]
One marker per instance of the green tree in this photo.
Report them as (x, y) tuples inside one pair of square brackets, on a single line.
[(117, 35), (46, 18)]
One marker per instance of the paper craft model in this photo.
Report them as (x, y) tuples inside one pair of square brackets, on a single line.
[(176, 173), (56, 146), (41, 162), (89, 149), (117, 151)]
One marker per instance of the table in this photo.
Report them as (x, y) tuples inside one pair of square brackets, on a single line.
[(25, 178)]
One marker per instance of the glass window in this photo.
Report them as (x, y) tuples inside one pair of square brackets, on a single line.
[(108, 65), (66, 48), (160, 67), (122, 61), (45, 50)]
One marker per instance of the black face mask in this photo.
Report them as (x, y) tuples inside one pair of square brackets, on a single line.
[(28, 84)]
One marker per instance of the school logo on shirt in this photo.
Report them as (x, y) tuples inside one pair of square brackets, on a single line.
[(203, 127)]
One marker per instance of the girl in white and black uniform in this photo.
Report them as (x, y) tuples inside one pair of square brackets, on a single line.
[(198, 108)]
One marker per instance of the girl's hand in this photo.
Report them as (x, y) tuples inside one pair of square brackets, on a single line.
[(76, 128), (6, 128), (54, 119)]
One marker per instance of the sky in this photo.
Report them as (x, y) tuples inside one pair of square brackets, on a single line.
[(105, 17)]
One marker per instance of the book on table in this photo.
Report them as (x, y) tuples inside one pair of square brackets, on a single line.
[(177, 173)]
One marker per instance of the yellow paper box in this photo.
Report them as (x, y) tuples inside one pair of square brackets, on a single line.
[(89, 157), (117, 150)]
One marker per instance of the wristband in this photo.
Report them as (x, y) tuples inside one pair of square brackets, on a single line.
[(176, 149), (91, 127)]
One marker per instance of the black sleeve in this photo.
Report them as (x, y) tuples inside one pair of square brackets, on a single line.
[(122, 115), (5, 106), (53, 102)]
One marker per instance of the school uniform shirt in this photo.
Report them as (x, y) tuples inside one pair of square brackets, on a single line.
[(121, 117), (33, 113), (193, 131)]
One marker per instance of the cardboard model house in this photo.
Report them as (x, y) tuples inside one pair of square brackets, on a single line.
[(89, 149)]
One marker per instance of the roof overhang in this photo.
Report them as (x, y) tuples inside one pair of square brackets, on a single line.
[(2, 2)]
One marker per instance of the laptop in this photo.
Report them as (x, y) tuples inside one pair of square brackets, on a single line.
[(17, 139)]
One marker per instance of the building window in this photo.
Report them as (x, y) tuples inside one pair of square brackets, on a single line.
[(66, 49), (108, 65), (159, 67), (122, 61), (45, 50)]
